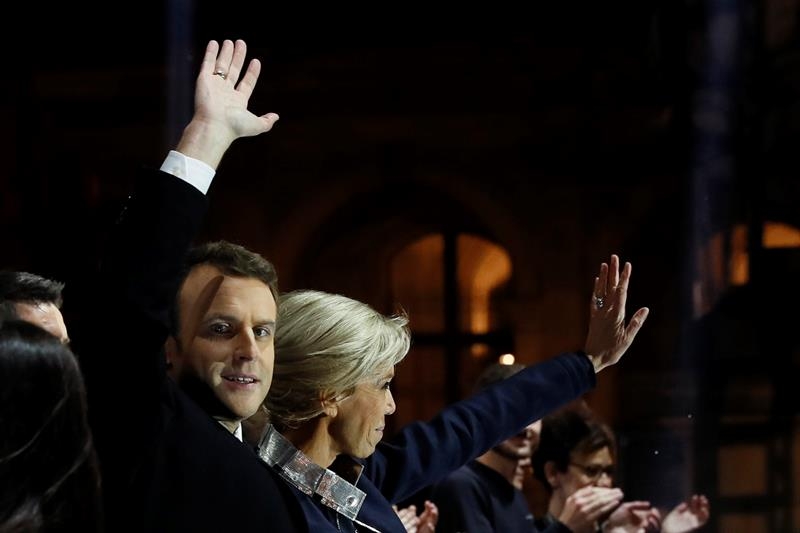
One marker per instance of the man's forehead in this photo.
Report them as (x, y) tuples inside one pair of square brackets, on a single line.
[(206, 286), (46, 315), (43, 310), (204, 275)]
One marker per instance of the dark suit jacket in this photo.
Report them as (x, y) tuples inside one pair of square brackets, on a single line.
[(166, 464)]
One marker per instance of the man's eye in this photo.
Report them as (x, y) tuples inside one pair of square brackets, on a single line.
[(262, 332), (221, 328), (386, 385)]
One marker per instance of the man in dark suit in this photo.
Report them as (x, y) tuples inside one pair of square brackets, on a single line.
[(170, 449)]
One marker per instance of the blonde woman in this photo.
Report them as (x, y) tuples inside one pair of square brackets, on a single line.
[(330, 396)]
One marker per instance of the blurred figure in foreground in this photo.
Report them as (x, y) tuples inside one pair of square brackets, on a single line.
[(48, 469)]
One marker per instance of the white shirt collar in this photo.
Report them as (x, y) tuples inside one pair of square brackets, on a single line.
[(236, 432)]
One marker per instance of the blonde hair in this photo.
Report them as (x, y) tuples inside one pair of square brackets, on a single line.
[(326, 344)]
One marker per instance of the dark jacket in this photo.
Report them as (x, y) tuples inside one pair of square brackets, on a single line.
[(166, 464)]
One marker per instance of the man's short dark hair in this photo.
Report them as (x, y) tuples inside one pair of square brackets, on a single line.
[(564, 432), (25, 287), (232, 260), (494, 373)]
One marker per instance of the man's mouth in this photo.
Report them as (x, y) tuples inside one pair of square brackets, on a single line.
[(245, 380)]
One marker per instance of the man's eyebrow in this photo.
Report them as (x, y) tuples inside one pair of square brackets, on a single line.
[(231, 318)]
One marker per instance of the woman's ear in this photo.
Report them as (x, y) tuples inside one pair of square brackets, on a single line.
[(330, 406)]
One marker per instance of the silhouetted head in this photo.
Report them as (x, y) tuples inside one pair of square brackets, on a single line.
[(47, 462), (35, 299)]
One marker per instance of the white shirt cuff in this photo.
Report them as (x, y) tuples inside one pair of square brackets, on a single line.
[(192, 171)]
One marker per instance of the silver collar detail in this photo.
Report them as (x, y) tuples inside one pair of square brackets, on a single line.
[(308, 477)]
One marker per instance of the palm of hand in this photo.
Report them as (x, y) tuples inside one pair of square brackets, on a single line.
[(217, 100), (687, 516), (632, 517), (681, 521), (428, 519)]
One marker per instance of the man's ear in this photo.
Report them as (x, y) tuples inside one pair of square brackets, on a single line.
[(551, 474), (171, 352)]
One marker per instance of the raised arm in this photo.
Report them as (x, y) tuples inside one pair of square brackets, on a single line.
[(164, 214), (609, 336), (122, 340), (221, 97)]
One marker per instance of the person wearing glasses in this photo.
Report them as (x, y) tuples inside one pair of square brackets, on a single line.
[(576, 460), (485, 495)]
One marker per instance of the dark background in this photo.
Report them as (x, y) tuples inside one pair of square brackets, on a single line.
[(562, 133)]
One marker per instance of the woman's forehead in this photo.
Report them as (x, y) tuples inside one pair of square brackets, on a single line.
[(602, 455)]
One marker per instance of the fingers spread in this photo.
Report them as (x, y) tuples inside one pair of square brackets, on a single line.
[(248, 81), (613, 274), (209, 58), (636, 323), (601, 280), (237, 60), (223, 59)]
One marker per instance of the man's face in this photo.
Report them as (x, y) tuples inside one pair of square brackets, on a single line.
[(227, 327), (45, 315), (522, 445), (595, 468)]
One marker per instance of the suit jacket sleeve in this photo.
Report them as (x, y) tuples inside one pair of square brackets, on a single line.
[(127, 319), (424, 452)]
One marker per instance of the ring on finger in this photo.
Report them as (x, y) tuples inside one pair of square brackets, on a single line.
[(599, 301)]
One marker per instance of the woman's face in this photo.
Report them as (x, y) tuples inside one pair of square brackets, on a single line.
[(594, 468), (361, 418)]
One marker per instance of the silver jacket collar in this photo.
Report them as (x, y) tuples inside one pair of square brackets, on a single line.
[(308, 477)]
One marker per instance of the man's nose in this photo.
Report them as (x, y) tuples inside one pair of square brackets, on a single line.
[(247, 348)]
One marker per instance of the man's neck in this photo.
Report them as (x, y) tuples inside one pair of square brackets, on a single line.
[(501, 464)]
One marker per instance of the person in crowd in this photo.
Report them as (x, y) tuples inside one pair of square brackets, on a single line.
[(35, 299), (48, 468), (170, 447), (485, 495), (330, 396), (577, 454)]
